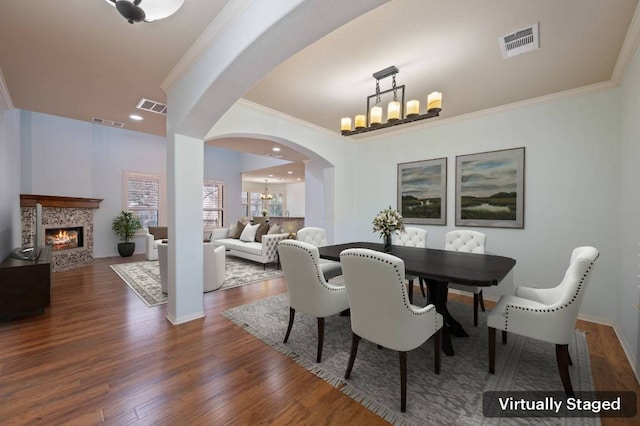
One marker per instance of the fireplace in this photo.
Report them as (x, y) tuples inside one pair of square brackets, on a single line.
[(67, 224), (64, 237)]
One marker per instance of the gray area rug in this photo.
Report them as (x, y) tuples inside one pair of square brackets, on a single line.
[(452, 398), (144, 277)]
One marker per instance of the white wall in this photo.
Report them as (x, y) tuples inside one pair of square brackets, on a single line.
[(9, 181), (295, 199), (628, 293), (571, 186)]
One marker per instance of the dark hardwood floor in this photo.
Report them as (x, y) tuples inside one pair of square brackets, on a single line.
[(99, 355)]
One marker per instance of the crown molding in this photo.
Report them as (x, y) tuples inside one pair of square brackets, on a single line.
[(628, 49), (5, 98), (217, 27), (584, 90)]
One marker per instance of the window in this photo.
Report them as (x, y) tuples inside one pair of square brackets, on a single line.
[(212, 204), (275, 205), (252, 205), (143, 196)]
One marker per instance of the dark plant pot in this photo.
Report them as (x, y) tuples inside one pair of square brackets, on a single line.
[(126, 249)]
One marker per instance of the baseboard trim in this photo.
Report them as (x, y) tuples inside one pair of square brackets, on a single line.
[(627, 351), (186, 318)]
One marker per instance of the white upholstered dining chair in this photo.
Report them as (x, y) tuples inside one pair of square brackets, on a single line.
[(412, 237), (381, 312), (546, 314), (318, 237), (469, 242), (308, 290)]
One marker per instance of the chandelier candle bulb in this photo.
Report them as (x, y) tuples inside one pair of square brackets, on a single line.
[(434, 101), (376, 116), (393, 111), (413, 108), (361, 121), (345, 124)]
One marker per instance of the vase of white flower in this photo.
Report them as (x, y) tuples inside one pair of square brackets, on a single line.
[(387, 222)]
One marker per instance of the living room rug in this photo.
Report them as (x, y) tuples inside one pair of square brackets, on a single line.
[(144, 277), (453, 397)]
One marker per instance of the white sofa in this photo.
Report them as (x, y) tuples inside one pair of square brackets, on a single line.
[(263, 252), (156, 234)]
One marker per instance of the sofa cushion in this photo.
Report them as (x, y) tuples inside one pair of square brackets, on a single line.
[(158, 232), (252, 248), (274, 229), (238, 231), (262, 230), (249, 233)]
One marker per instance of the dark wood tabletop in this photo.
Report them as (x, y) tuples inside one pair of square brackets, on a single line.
[(439, 268), (439, 265)]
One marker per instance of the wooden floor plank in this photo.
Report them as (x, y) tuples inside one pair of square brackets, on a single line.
[(99, 355)]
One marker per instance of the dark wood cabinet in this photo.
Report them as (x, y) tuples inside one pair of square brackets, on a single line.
[(25, 285)]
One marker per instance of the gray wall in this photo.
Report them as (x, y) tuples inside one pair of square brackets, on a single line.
[(628, 295), (73, 158), (9, 181)]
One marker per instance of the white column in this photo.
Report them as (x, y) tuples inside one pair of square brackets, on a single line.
[(185, 168)]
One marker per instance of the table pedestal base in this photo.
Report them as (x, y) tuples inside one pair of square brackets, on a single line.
[(438, 292)]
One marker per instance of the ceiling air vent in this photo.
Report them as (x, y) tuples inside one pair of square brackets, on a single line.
[(104, 122), (273, 155), (152, 106), (519, 42)]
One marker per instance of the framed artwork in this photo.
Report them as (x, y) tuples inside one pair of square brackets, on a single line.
[(422, 192), (490, 189)]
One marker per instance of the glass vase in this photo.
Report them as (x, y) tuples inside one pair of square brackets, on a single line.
[(387, 242)]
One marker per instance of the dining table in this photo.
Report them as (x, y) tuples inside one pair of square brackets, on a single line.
[(439, 268)]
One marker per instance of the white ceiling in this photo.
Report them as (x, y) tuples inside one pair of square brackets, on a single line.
[(80, 59)]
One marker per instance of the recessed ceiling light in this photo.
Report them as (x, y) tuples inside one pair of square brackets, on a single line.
[(275, 149), (290, 172), (298, 179), (136, 117), (270, 175)]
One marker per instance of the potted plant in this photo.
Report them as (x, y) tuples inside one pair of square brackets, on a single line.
[(125, 227)]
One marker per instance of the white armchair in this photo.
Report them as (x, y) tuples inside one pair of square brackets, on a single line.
[(214, 270), (546, 314), (214, 273), (307, 288), (154, 235), (412, 237), (468, 242), (317, 237), (380, 311)]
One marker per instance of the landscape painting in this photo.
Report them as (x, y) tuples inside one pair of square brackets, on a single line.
[(490, 189), (422, 192)]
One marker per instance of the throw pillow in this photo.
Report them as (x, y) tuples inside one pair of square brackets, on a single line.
[(275, 229), (249, 233), (206, 236), (232, 230), (262, 229), (239, 228), (158, 232)]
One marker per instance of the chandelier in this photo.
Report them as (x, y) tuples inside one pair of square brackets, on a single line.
[(153, 9), (266, 195), (396, 113)]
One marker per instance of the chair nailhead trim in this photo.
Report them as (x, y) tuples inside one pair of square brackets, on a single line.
[(566, 305), (405, 299)]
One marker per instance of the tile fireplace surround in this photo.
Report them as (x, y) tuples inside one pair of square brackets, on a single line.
[(59, 212)]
